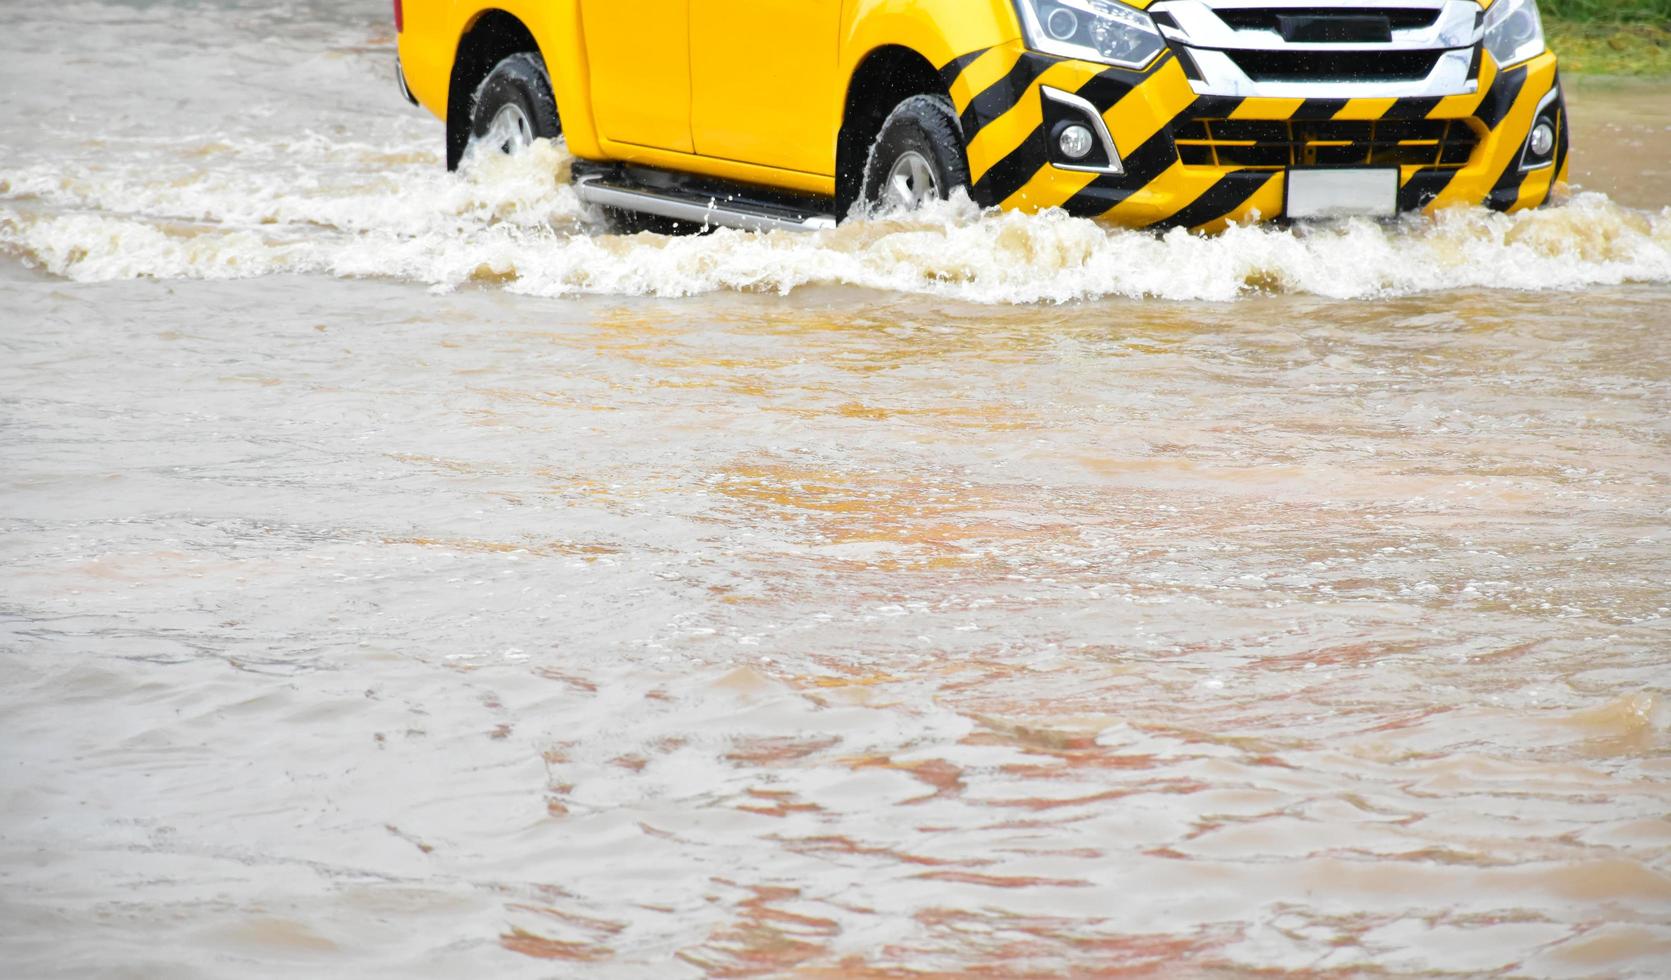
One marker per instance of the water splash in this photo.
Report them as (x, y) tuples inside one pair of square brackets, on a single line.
[(391, 213)]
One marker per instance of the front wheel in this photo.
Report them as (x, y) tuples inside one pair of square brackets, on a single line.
[(514, 106), (917, 157)]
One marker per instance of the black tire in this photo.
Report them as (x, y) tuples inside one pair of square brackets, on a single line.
[(516, 92), (925, 127)]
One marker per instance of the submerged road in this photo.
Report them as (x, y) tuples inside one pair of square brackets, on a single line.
[(425, 584)]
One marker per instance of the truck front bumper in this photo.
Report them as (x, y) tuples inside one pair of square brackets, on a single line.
[(1206, 161)]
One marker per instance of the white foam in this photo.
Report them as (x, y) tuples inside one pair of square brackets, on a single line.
[(221, 208)]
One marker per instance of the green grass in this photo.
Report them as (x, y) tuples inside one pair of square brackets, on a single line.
[(1610, 37), (1637, 48), (1609, 11)]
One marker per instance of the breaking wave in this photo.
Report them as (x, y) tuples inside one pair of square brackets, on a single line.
[(355, 210)]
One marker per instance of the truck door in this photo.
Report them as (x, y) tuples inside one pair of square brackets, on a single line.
[(639, 55), (763, 81)]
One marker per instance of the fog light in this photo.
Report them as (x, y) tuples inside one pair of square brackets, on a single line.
[(1543, 139), (1076, 142)]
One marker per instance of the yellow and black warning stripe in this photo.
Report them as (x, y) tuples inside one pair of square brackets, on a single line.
[(1001, 96), (1512, 185), (953, 70), (1427, 184), (996, 93)]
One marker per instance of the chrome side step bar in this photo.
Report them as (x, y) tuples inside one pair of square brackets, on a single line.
[(710, 204)]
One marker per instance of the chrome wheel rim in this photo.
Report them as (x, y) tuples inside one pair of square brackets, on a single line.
[(911, 182), (510, 130)]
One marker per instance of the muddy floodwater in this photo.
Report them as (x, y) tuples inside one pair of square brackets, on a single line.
[(402, 577)]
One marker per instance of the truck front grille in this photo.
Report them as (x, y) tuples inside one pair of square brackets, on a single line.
[(1325, 49), (1276, 144), (1271, 18), (1332, 66)]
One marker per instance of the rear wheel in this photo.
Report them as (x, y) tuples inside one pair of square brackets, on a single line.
[(917, 156), (514, 106)]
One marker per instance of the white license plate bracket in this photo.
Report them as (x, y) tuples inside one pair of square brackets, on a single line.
[(1359, 192)]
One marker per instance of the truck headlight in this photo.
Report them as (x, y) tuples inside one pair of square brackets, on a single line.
[(1513, 31), (1105, 31)]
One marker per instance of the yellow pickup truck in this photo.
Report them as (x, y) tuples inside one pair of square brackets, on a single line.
[(772, 114)]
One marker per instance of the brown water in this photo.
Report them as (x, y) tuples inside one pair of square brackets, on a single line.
[(406, 584)]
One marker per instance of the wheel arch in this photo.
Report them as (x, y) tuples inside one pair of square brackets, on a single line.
[(885, 77), (487, 39), (919, 38)]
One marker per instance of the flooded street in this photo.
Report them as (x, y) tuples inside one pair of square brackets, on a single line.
[(401, 577)]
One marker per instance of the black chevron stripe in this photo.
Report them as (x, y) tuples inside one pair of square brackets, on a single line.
[(1506, 190), (953, 70), (1214, 107), (1423, 186), (1111, 84), (1496, 107), (1500, 98), (1001, 96), (1142, 165), (1412, 108), (1227, 193), (1014, 171), (1145, 163), (1104, 91), (1313, 109)]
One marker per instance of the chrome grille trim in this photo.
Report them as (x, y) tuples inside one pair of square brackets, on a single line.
[(1195, 28)]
